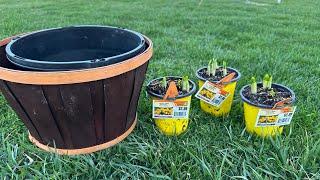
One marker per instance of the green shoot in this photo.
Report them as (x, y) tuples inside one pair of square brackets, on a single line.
[(254, 85), (185, 84), (209, 68), (224, 66), (179, 83), (163, 83), (272, 93), (270, 82), (212, 67), (265, 81)]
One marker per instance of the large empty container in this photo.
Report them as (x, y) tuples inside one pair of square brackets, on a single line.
[(76, 111), (75, 47)]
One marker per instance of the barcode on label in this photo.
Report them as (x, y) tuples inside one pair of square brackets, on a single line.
[(179, 114), (283, 120), (217, 101)]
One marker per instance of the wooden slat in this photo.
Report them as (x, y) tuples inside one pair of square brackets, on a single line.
[(117, 91), (36, 106), (56, 105), (97, 96), (15, 104), (77, 105), (85, 150), (138, 81)]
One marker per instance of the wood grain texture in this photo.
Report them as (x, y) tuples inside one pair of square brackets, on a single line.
[(97, 97), (118, 91), (16, 105), (34, 103), (78, 115), (56, 105), (86, 150), (138, 82), (78, 107)]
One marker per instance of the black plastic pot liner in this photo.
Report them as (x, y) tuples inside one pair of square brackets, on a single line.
[(75, 47)]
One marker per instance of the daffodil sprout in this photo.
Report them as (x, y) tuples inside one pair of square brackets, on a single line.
[(209, 68), (254, 85), (212, 67), (267, 82), (270, 82), (185, 84), (224, 66), (164, 83)]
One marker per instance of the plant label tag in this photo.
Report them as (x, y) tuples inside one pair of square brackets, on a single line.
[(212, 94), (275, 117), (170, 109)]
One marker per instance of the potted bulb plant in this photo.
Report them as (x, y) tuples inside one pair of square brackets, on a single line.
[(216, 87), (267, 106), (171, 97)]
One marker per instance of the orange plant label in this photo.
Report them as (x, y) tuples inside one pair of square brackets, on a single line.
[(212, 94), (172, 91), (227, 78)]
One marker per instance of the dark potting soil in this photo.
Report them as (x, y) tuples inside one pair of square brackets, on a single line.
[(218, 76), (155, 86), (267, 97)]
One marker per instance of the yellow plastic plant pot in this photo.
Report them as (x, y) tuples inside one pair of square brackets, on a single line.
[(251, 112), (173, 126), (230, 87)]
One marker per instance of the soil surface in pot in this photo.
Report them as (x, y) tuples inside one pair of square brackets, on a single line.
[(155, 86), (218, 76), (267, 97)]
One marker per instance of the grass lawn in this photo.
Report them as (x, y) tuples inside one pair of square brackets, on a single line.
[(256, 38)]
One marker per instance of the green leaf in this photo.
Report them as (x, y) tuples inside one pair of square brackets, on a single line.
[(224, 66), (185, 83), (270, 82), (265, 81), (164, 83), (254, 85), (209, 68)]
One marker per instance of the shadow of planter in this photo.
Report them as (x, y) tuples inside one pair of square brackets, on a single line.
[(76, 111)]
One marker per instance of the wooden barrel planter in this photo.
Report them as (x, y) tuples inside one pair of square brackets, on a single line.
[(76, 111)]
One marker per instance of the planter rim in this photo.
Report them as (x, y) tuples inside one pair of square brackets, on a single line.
[(33, 61), (230, 68), (74, 76), (193, 90), (266, 106)]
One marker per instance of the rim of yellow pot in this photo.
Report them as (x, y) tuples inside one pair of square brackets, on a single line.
[(191, 92), (238, 75), (274, 85)]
